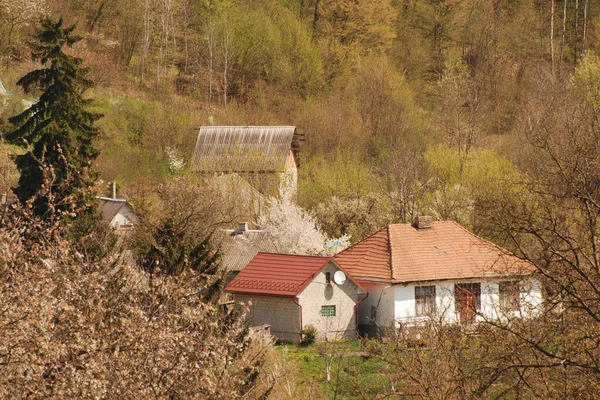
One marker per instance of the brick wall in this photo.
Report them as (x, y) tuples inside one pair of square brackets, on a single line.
[(280, 312)]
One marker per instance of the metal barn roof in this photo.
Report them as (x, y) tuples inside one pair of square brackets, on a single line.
[(244, 148)]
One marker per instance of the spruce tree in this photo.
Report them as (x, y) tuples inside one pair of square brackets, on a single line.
[(57, 130)]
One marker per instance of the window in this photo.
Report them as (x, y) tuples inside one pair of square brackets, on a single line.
[(327, 277), (424, 300), (328, 311), (509, 295)]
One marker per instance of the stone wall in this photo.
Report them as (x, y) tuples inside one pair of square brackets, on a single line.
[(280, 312)]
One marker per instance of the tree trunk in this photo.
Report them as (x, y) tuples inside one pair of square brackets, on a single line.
[(585, 7), (210, 30), (564, 28), (225, 64), (552, 34), (575, 40), (146, 45), (316, 16), (97, 16)]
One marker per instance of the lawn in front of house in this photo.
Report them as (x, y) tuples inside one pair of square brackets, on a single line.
[(354, 373)]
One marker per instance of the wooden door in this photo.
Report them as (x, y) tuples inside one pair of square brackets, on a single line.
[(467, 297)]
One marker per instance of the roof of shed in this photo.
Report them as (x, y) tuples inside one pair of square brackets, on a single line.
[(243, 148), (238, 248), (109, 207), (277, 274), (401, 253)]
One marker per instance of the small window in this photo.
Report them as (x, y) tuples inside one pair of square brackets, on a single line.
[(328, 311), (327, 277), (424, 300), (509, 295)]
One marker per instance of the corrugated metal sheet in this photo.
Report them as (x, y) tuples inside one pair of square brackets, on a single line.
[(401, 253), (237, 250), (242, 148), (277, 274)]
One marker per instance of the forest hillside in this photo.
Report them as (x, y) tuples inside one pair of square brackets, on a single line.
[(408, 107)]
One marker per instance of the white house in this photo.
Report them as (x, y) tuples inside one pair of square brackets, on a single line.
[(289, 292), (414, 272)]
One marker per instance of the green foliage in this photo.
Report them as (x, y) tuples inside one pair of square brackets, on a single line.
[(344, 193), (172, 252), (269, 43), (308, 335), (586, 79), (58, 128), (458, 181), (174, 236)]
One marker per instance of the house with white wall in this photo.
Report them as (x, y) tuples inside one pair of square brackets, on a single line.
[(438, 269), (289, 292)]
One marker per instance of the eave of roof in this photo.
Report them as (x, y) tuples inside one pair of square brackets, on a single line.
[(275, 274), (447, 251), (369, 259)]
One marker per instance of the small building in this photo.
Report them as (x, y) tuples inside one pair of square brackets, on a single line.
[(289, 292), (414, 272), (117, 212), (266, 156), (239, 246), (241, 149)]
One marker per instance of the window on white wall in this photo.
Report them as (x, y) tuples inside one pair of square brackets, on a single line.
[(509, 295), (328, 311), (424, 300)]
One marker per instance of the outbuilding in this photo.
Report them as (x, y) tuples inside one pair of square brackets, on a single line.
[(289, 292)]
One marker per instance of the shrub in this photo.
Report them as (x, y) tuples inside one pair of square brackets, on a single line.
[(308, 335)]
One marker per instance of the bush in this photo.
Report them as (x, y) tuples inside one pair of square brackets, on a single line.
[(308, 335)]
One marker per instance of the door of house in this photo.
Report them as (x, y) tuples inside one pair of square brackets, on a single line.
[(467, 297)]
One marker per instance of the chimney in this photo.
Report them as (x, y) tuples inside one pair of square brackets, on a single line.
[(114, 189), (423, 222), (243, 227)]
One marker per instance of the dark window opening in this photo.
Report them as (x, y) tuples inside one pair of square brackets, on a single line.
[(424, 300), (509, 295)]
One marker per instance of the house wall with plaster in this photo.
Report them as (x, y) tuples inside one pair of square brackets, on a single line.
[(402, 297), (344, 297)]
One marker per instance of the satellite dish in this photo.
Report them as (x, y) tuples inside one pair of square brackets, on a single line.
[(339, 277)]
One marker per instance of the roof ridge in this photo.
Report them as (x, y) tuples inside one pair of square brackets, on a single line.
[(502, 250), (248, 126), (360, 241), (295, 255), (391, 251)]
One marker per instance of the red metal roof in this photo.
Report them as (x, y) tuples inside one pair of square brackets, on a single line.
[(403, 253), (277, 274)]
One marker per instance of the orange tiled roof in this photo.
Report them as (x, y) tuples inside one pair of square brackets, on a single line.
[(402, 253), (277, 274), (369, 258)]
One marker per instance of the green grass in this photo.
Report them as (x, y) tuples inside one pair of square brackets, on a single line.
[(353, 371)]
